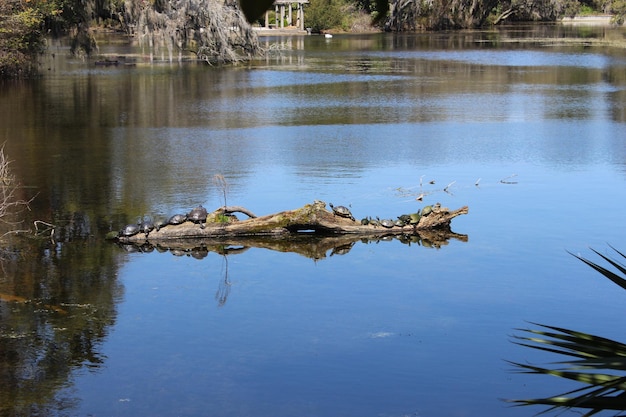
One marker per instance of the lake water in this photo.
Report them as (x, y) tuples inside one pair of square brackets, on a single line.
[(530, 135)]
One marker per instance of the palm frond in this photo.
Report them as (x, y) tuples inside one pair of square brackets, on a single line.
[(590, 359), (621, 281), (602, 391)]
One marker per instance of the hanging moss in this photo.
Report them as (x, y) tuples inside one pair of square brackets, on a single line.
[(214, 30)]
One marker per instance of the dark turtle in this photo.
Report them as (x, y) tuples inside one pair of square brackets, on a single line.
[(406, 218), (146, 227), (159, 223), (427, 210), (365, 221), (198, 215), (375, 222), (129, 230), (177, 219), (387, 223), (342, 211)]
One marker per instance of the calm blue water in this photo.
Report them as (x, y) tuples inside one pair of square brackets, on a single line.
[(533, 141)]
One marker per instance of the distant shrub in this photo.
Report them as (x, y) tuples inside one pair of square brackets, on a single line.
[(324, 14), (21, 39)]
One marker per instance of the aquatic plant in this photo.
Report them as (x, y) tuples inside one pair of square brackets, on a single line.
[(597, 362)]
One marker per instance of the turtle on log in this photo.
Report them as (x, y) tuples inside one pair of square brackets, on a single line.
[(146, 227), (198, 215), (177, 219), (129, 230), (342, 211)]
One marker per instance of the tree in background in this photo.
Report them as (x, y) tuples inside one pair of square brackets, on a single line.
[(438, 14), (219, 30), (215, 30), (618, 7), (460, 14), (21, 37), (324, 14)]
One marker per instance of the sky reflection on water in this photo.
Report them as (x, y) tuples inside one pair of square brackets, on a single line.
[(387, 329)]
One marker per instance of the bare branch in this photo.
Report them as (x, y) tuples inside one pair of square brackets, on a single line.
[(10, 205)]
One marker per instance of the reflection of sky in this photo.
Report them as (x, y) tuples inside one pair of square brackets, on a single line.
[(515, 58), (273, 168), (387, 329)]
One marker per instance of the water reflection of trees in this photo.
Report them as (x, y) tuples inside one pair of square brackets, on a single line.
[(594, 361), (57, 302)]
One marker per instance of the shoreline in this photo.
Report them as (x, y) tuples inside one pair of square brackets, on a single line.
[(261, 31), (590, 20)]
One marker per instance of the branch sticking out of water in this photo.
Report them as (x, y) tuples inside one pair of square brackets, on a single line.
[(9, 203), (220, 182), (507, 179)]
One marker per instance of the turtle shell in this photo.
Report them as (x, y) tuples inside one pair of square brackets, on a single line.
[(129, 230), (387, 223), (160, 223), (427, 210), (406, 218), (415, 218), (198, 215), (146, 226), (177, 219), (342, 211)]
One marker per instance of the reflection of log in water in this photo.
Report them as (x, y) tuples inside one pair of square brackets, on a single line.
[(311, 246)]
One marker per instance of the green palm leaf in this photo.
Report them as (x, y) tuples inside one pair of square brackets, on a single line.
[(621, 281), (591, 360)]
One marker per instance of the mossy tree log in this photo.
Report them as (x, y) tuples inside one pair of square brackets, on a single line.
[(312, 218)]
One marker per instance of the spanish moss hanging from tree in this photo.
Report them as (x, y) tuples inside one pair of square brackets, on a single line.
[(214, 30)]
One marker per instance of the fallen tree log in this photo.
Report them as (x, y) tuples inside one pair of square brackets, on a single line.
[(311, 219)]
